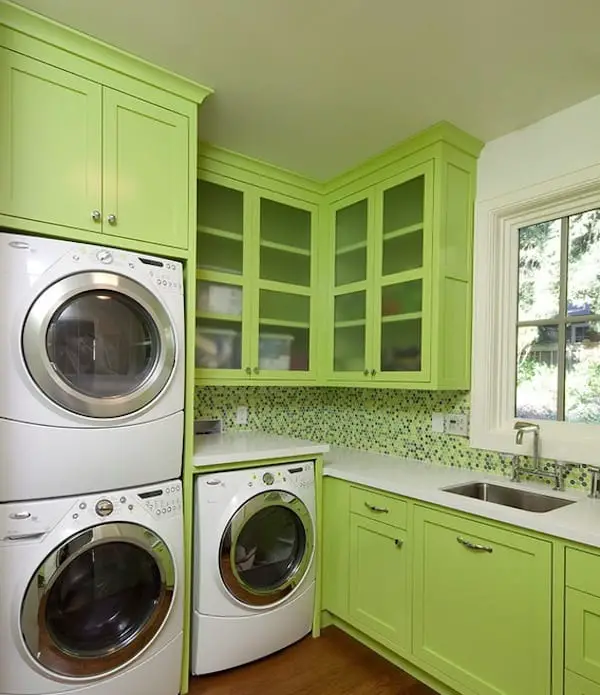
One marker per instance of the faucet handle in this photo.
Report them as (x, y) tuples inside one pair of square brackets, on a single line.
[(527, 426)]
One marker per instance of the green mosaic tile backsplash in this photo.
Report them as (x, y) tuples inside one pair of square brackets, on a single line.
[(382, 420)]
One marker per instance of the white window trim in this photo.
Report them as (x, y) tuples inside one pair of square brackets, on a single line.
[(495, 317)]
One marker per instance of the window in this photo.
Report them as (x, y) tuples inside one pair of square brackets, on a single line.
[(536, 320), (558, 321)]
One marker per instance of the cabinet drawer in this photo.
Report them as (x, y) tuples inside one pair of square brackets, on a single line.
[(583, 571), (582, 634), (576, 685), (375, 505)]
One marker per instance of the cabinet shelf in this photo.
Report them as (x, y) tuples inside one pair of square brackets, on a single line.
[(411, 228), (284, 323), (350, 248), (223, 233), (393, 318), (350, 324), (211, 316), (285, 247)]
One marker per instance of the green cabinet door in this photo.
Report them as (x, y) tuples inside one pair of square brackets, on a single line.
[(402, 276), (223, 290), (576, 685), (336, 544), (145, 171), (349, 357), (582, 633), (284, 258), (379, 598), (482, 605), (50, 144)]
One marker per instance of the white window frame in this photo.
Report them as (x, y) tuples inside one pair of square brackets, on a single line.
[(495, 292)]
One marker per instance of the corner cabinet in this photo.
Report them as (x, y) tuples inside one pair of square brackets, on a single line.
[(399, 257), (256, 285)]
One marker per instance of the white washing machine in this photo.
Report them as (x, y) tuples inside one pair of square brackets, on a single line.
[(91, 368), (254, 563), (92, 593)]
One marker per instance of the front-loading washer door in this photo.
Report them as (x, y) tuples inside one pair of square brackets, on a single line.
[(267, 548), (99, 344), (98, 600)]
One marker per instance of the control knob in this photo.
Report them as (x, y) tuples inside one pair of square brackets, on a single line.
[(104, 508)]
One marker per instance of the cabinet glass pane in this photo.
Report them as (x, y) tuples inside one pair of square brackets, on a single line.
[(220, 208), (401, 345), (349, 338), (284, 243), (284, 331), (284, 224), (403, 298), (351, 243), (403, 205), (218, 298), (219, 253), (403, 227), (220, 228), (281, 266), (403, 252), (218, 344)]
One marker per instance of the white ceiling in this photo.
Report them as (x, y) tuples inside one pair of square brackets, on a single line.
[(319, 85)]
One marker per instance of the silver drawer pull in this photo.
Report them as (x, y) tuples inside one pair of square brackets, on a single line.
[(474, 546), (25, 536), (373, 508)]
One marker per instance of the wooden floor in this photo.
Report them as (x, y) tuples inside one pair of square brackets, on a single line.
[(334, 664)]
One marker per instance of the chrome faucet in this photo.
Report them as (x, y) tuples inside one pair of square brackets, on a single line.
[(558, 468), (525, 427)]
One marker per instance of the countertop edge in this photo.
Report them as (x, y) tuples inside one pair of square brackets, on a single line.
[(491, 512)]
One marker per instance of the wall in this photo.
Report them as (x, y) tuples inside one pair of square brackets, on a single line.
[(387, 421), (566, 142)]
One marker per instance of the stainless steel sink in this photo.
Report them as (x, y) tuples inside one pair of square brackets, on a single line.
[(510, 497)]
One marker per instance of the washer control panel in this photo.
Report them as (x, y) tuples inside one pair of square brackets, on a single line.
[(163, 501), (287, 476), (165, 275)]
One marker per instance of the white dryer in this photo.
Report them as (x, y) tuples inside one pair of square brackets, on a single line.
[(254, 563), (91, 368), (92, 593)]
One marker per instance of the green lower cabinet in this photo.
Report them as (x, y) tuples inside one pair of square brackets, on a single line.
[(379, 597), (582, 634), (576, 685), (336, 542), (482, 605)]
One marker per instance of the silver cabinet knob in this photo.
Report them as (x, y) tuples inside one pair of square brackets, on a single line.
[(112, 219), (96, 215), (366, 372), (248, 370), (373, 372), (256, 370)]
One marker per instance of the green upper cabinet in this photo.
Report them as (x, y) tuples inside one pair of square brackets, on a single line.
[(380, 275), (399, 257), (50, 143), (482, 605), (145, 172), (94, 143), (257, 278)]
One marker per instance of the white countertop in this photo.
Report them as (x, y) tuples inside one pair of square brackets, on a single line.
[(579, 522), (237, 447)]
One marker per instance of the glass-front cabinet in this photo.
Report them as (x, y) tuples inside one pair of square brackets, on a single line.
[(256, 276), (380, 276)]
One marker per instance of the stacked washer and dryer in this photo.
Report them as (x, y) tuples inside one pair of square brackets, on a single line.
[(91, 431)]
